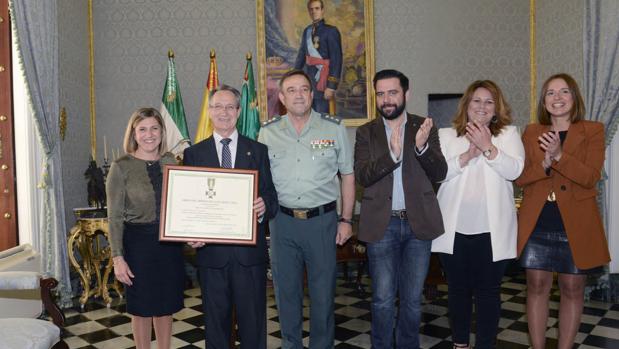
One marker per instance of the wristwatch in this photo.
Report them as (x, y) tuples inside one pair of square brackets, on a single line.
[(344, 220), (486, 153)]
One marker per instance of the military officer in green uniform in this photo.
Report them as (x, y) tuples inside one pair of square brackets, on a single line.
[(307, 150)]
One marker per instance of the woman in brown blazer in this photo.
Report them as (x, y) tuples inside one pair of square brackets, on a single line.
[(559, 225)]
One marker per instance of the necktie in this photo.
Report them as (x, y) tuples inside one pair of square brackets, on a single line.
[(226, 157)]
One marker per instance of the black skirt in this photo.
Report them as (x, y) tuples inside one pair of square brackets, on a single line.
[(158, 268), (550, 251)]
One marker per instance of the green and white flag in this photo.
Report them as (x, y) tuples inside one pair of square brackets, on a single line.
[(173, 112), (248, 123)]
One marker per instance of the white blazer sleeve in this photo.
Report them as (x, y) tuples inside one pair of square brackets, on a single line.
[(510, 160), (447, 137)]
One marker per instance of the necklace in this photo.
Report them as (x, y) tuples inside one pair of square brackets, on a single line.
[(151, 163)]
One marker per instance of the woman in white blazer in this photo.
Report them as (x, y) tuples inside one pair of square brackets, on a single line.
[(484, 155)]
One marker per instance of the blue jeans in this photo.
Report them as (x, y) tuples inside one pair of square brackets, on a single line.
[(398, 263)]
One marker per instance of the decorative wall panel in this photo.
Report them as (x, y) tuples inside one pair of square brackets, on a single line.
[(445, 45), (132, 39), (559, 39), (73, 72)]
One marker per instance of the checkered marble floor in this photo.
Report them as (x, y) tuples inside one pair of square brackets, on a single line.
[(100, 327)]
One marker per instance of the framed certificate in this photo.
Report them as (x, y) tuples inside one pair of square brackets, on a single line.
[(212, 205)]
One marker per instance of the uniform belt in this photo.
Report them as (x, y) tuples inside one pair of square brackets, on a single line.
[(399, 213), (307, 213)]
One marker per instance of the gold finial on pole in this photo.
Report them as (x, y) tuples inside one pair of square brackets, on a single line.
[(170, 53), (248, 56), (212, 53)]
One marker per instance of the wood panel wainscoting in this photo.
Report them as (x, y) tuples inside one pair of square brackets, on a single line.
[(8, 203)]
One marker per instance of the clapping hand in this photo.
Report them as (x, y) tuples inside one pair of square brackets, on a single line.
[(394, 142), (479, 135), (422, 134), (550, 142)]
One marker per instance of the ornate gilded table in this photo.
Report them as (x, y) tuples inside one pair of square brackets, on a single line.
[(88, 239)]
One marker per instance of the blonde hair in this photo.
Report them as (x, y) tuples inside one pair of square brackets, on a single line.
[(130, 145), (502, 110)]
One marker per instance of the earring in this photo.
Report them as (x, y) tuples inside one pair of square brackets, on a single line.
[(494, 120)]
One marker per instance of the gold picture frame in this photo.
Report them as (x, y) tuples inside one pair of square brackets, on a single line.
[(286, 20)]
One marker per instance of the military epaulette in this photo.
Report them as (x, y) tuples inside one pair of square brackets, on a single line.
[(272, 120), (328, 117)]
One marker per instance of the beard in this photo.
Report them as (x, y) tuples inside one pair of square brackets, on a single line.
[(397, 111)]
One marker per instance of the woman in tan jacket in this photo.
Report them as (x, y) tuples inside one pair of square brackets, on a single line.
[(559, 225)]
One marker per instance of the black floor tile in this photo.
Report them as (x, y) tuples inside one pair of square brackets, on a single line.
[(510, 314), (197, 320), (114, 320), (612, 323), (601, 342), (435, 331), (191, 336), (593, 311), (519, 326), (343, 334), (98, 336), (510, 345), (75, 319)]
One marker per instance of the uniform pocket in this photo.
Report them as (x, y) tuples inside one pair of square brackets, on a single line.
[(325, 162), (327, 153), (277, 158)]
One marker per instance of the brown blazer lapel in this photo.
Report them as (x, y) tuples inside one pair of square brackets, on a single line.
[(575, 136), (380, 135)]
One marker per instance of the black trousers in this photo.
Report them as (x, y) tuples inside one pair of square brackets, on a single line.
[(243, 286), (471, 273)]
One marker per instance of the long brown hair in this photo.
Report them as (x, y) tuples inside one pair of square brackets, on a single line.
[(502, 110), (578, 109)]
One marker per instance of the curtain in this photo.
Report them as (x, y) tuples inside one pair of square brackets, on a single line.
[(601, 90), (601, 63), (35, 22)]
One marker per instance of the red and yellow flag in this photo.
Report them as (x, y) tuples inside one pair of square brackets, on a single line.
[(205, 127)]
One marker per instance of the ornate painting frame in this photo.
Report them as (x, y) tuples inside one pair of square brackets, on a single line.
[(284, 21)]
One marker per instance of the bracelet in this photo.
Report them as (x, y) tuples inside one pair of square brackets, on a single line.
[(344, 220)]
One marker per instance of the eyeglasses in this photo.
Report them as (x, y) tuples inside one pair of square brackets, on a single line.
[(220, 107), (561, 92)]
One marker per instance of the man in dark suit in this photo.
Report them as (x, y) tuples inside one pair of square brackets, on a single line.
[(320, 56), (397, 158), (231, 274)]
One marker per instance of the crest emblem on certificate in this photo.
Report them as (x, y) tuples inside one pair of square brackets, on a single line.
[(210, 192)]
